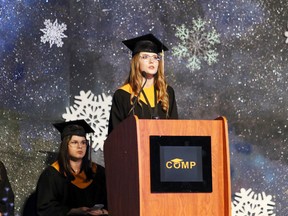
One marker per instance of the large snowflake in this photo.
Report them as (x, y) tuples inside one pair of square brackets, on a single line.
[(93, 109), (53, 33), (248, 203), (197, 44)]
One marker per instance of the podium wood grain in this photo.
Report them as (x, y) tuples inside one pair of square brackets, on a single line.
[(127, 163)]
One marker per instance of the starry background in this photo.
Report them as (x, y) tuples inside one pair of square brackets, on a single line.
[(247, 84)]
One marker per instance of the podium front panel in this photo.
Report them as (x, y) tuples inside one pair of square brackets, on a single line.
[(130, 168), (180, 164)]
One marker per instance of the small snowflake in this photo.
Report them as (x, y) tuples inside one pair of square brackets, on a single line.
[(95, 110), (248, 203), (196, 44), (286, 35), (53, 33)]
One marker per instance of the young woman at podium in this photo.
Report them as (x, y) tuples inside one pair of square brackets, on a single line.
[(145, 93)]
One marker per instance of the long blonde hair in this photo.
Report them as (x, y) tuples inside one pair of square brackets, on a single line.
[(135, 80)]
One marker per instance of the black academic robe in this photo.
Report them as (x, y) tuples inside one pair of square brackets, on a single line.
[(121, 106), (6, 193), (56, 195)]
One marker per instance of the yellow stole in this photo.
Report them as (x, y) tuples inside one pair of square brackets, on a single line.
[(148, 91), (80, 178)]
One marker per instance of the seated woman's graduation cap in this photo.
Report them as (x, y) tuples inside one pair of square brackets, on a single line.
[(145, 43), (77, 127)]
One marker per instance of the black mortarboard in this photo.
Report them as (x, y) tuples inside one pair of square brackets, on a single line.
[(145, 43), (76, 127)]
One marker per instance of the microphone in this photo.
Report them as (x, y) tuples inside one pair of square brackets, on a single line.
[(138, 95)]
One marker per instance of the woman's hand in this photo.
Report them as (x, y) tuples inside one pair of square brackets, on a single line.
[(98, 212), (78, 211), (86, 211)]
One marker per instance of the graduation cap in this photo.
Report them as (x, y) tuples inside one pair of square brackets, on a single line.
[(177, 160), (76, 127), (145, 43)]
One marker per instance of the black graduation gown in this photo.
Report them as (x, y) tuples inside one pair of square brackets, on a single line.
[(121, 106), (6, 193), (57, 196)]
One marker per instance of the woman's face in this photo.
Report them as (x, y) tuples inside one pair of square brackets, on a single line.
[(77, 147), (149, 62)]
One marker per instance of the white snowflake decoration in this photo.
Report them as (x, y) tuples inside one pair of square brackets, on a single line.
[(286, 35), (95, 110), (248, 203), (196, 44), (53, 33)]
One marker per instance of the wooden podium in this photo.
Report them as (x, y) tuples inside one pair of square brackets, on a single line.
[(127, 164)]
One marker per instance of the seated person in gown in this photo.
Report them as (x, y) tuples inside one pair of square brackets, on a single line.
[(6, 193), (73, 184)]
